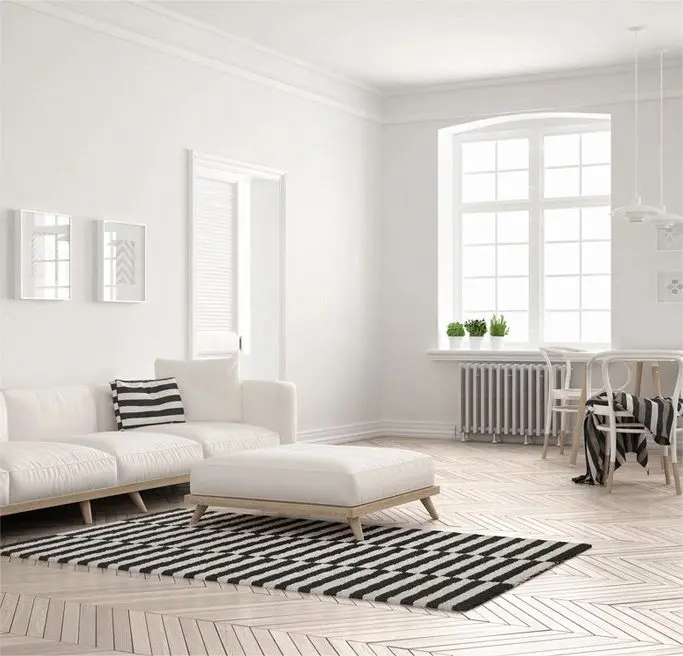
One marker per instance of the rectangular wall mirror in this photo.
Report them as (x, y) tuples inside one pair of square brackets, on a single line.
[(43, 270), (121, 262)]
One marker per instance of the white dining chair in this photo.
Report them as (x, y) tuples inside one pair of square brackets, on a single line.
[(610, 427), (562, 400)]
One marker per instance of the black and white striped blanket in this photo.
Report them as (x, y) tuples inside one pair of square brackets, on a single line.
[(656, 414)]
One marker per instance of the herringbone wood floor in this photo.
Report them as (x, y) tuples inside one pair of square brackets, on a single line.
[(624, 596)]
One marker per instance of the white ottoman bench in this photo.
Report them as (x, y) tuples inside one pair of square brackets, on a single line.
[(314, 480)]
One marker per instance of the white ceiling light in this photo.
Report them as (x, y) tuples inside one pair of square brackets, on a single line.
[(636, 212), (665, 221)]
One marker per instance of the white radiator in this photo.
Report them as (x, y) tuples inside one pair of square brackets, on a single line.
[(505, 399)]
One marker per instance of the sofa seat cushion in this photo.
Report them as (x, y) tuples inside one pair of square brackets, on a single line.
[(314, 473), (218, 437), (144, 456), (39, 470), (4, 487)]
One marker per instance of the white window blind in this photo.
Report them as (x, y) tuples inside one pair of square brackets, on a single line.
[(214, 261)]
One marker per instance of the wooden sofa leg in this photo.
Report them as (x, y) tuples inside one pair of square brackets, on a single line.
[(86, 511), (137, 500), (430, 507), (197, 514), (354, 523)]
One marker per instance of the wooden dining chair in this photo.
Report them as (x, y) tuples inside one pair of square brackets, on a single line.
[(562, 400), (611, 428)]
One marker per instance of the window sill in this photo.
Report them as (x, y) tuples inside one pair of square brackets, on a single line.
[(518, 354)]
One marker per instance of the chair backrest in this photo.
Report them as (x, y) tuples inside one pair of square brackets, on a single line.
[(552, 354), (631, 357)]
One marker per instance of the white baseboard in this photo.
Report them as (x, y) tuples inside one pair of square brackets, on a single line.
[(338, 434), (372, 429), (441, 430)]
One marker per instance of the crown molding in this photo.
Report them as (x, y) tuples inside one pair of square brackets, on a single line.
[(151, 5), (672, 62), (178, 36)]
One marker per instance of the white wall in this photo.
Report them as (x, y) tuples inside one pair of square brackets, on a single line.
[(261, 357), (97, 125), (421, 395)]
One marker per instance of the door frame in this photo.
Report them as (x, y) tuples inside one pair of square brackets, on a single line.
[(252, 172)]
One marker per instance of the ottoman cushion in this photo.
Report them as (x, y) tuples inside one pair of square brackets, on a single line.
[(314, 473)]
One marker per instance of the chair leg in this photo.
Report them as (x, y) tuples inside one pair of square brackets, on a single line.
[(666, 462), (137, 500), (197, 514), (578, 427), (354, 523), (610, 476), (562, 434), (677, 477), (548, 425), (86, 511), (431, 508)]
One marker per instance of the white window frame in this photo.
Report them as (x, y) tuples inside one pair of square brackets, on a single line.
[(535, 131)]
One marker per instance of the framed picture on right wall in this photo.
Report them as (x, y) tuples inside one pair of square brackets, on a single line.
[(670, 286), (670, 240), (121, 262)]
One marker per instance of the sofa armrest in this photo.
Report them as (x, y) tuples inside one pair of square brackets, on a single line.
[(271, 405)]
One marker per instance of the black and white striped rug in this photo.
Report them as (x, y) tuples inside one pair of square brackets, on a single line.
[(433, 569)]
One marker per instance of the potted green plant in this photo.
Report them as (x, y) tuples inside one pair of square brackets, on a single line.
[(498, 329), (455, 332), (476, 329)]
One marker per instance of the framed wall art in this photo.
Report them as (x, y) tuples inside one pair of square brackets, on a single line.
[(43, 262), (121, 262), (670, 286), (671, 239)]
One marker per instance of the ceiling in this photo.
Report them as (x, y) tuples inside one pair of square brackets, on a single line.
[(390, 44)]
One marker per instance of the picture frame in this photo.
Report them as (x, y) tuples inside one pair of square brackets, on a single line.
[(670, 286), (121, 262), (670, 240), (43, 256)]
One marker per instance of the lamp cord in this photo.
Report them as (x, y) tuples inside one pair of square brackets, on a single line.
[(661, 129), (636, 116)]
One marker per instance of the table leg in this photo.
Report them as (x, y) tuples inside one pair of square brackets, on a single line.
[(656, 379), (578, 426), (639, 377)]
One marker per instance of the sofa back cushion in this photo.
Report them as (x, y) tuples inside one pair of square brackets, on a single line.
[(210, 388), (51, 413)]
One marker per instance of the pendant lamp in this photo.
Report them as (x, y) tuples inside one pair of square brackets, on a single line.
[(636, 212), (665, 220)]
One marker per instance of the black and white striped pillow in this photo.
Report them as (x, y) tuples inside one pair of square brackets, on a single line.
[(140, 403)]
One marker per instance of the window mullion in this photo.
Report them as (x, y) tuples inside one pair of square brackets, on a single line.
[(535, 239)]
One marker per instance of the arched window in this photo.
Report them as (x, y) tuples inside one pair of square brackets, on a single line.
[(525, 228)]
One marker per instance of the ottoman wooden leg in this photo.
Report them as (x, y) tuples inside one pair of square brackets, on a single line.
[(197, 514), (431, 508), (357, 529)]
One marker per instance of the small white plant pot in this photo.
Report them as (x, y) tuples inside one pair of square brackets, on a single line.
[(497, 342), (475, 343), (455, 342)]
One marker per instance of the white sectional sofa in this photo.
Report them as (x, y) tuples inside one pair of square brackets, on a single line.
[(60, 445)]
